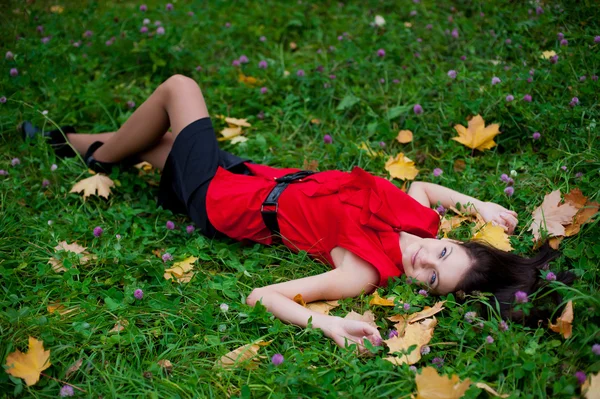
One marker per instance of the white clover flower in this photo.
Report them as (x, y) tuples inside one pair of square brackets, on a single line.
[(224, 307), (513, 173), (379, 21)]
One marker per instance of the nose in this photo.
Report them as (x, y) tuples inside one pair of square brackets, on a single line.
[(427, 260)]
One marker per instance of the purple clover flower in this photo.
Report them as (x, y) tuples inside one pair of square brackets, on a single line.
[(574, 102), (554, 59), (3, 172), (509, 191), (392, 334), (504, 177), (489, 339), (437, 172), (97, 231), (244, 59), (582, 78), (429, 27), (15, 162), (560, 36), (263, 90), (381, 52), (441, 210), (495, 80), (236, 63), (425, 350), (160, 31), (452, 74), (551, 276), (382, 144), (66, 390), (527, 97), (53, 167), (327, 139), (438, 361), (521, 297), (14, 72), (564, 42), (263, 64), (539, 10), (529, 79), (470, 317), (131, 104), (581, 377), (418, 109), (9, 55), (88, 33), (423, 293), (536, 136), (596, 349), (45, 183), (138, 294), (509, 98), (169, 7), (300, 73), (167, 257), (2, 100), (597, 39), (455, 33), (190, 229), (503, 326), (406, 306), (262, 38), (564, 168), (45, 40), (143, 8), (144, 29), (277, 359), (170, 225), (508, 41)]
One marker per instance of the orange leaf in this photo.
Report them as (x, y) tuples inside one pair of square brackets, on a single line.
[(563, 323), (401, 167), (477, 136), (418, 334), (377, 300), (28, 366), (322, 307), (426, 312), (298, 299), (493, 235), (430, 385), (552, 216), (404, 136)]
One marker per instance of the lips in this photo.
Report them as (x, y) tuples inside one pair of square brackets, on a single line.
[(414, 257)]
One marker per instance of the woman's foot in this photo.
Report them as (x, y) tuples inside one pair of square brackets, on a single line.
[(56, 138)]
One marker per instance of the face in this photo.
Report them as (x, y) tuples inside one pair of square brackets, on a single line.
[(439, 264)]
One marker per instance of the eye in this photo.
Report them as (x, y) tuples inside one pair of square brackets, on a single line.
[(443, 253), (433, 278)]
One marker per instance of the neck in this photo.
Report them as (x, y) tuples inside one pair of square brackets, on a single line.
[(407, 239)]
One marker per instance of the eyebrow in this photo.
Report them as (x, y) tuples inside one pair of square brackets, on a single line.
[(438, 272)]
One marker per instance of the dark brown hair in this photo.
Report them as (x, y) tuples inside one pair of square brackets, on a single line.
[(503, 274)]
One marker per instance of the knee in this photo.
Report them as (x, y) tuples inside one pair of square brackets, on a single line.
[(178, 83)]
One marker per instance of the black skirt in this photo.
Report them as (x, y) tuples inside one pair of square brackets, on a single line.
[(189, 169)]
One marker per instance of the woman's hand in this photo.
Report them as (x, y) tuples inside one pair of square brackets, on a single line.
[(346, 332), (499, 215)]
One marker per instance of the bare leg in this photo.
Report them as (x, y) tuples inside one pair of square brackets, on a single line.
[(156, 155), (175, 103)]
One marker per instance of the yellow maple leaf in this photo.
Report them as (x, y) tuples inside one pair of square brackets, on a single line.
[(564, 322), (98, 183), (28, 366), (418, 334), (401, 167), (477, 135), (237, 122), (493, 235), (404, 136), (58, 266), (427, 311), (181, 271), (431, 385), (449, 224), (242, 354), (548, 54), (377, 300)]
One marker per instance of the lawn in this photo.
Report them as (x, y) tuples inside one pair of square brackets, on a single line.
[(316, 80)]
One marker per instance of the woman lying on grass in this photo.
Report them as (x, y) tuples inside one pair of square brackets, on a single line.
[(366, 228)]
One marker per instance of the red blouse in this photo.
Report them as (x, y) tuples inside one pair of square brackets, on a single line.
[(356, 211)]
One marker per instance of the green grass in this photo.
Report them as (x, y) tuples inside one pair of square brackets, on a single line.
[(89, 88)]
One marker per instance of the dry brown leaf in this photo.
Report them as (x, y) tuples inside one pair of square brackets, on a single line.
[(490, 390), (119, 326), (58, 266), (166, 365), (586, 210), (477, 136), (28, 366), (576, 198), (591, 390), (404, 136), (299, 300), (367, 317), (493, 235), (449, 224), (322, 307), (377, 300), (231, 132), (237, 122), (426, 312), (312, 165), (74, 367), (181, 271), (564, 322), (554, 242), (242, 354), (145, 166), (97, 183), (401, 167), (430, 385), (418, 334), (552, 216), (158, 252)]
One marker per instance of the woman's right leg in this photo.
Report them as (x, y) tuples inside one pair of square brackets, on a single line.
[(176, 103)]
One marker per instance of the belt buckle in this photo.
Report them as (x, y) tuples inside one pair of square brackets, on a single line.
[(262, 208)]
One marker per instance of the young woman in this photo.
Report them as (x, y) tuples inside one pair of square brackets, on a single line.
[(366, 228)]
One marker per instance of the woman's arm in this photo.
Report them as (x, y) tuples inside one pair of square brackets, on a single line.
[(429, 193), (350, 278)]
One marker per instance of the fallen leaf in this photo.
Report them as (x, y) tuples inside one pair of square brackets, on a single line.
[(237, 122), (231, 132), (367, 317), (564, 322), (592, 390), (426, 312), (477, 135), (459, 165), (28, 366), (57, 9), (181, 271), (418, 334), (119, 326), (576, 198), (58, 266), (552, 216), (145, 166), (401, 167), (97, 183), (242, 354), (166, 365), (586, 210), (370, 151), (404, 136), (554, 242), (158, 252), (315, 121), (493, 235), (490, 390), (60, 308), (312, 165), (449, 224), (548, 54), (430, 385), (249, 80), (407, 24), (377, 300), (239, 139), (74, 367), (322, 307), (299, 300)]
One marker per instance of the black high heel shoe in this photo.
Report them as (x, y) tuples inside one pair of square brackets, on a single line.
[(106, 167), (56, 139)]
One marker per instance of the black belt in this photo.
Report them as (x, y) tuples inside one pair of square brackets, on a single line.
[(270, 216)]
